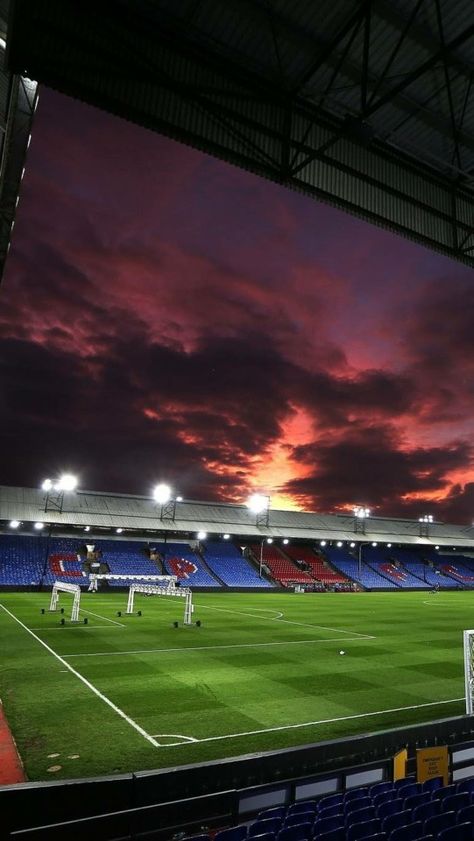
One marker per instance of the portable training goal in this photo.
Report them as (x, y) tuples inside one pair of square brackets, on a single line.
[(72, 589), (156, 590)]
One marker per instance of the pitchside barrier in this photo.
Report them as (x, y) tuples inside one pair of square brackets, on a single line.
[(469, 670), (72, 589), (166, 801)]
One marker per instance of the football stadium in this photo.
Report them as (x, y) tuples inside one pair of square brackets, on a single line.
[(185, 668)]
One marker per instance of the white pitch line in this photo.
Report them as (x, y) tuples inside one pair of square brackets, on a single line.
[(324, 721), (70, 628), (84, 680), (286, 621), (99, 616), (210, 647)]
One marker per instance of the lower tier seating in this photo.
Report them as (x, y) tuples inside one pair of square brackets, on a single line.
[(232, 568)]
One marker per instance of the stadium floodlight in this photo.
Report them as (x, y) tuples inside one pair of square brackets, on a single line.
[(119, 530), (269, 539), (39, 526), (374, 544), (436, 547), (285, 541), (87, 528), (361, 512), (360, 515), (257, 503), (352, 545), (14, 524), (201, 535), (226, 536), (339, 543), (323, 543), (66, 482), (46, 485), (162, 493), (389, 545), (179, 499)]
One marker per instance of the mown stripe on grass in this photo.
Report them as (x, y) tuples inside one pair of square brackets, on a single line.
[(326, 721), (84, 680)]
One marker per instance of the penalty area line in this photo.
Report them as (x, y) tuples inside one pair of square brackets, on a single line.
[(209, 647), (324, 721), (286, 621), (84, 680)]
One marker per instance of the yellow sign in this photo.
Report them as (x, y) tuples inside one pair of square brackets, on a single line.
[(432, 762), (400, 764)]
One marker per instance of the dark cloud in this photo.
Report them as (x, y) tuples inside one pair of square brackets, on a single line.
[(369, 465)]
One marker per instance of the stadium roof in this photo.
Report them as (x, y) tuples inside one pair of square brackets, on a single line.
[(368, 105), (18, 98), (138, 513)]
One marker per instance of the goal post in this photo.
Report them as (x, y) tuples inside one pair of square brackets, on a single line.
[(156, 590), (469, 670), (72, 589)]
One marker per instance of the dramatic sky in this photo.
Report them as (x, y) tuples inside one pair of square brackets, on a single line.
[(165, 316)]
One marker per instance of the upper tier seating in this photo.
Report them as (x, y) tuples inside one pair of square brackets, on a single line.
[(349, 565), (65, 562), (180, 560), (232, 568), (282, 569), (319, 569), (22, 560), (125, 557)]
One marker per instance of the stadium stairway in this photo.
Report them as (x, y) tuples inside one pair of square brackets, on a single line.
[(208, 569), (225, 560)]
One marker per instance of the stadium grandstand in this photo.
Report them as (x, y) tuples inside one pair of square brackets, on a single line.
[(220, 546)]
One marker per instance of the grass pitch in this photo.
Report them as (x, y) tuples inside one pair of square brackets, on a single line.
[(262, 672)]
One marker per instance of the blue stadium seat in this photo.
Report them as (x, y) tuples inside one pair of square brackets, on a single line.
[(233, 833), (407, 833), (299, 817), (302, 806), (404, 781), (330, 800), (392, 822), (444, 791), (265, 836), (416, 799), (379, 788), (466, 785), (333, 835), (461, 832), (359, 815), (455, 802), (466, 814), (390, 807), (329, 811), (274, 812), (299, 832), (233, 569), (433, 783), (265, 825), (327, 824), (356, 793), (409, 790), (365, 829), (384, 796), (439, 822), (357, 803), (426, 810)]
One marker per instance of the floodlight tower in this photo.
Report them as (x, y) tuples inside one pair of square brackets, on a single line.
[(360, 515), (259, 504), (162, 495), (55, 490), (425, 524)]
